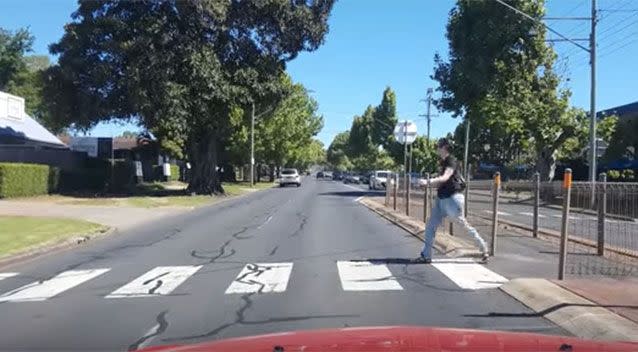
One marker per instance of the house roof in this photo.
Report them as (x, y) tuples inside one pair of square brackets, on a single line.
[(626, 110), (29, 129)]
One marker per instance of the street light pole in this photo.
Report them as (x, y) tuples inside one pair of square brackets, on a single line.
[(592, 108), (467, 147)]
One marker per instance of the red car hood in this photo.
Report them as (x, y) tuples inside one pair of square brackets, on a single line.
[(402, 338)]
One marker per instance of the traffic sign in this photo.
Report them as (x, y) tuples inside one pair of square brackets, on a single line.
[(405, 132)]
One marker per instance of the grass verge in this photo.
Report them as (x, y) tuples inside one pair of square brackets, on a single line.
[(19, 233)]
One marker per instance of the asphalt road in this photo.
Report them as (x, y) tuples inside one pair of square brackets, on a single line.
[(272, 261)]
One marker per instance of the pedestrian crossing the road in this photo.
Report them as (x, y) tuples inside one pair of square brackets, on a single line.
[(259, 278)]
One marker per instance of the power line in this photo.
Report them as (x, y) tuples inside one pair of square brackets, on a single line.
[(620, 47)]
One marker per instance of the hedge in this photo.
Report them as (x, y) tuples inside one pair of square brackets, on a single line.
[(23, 180)]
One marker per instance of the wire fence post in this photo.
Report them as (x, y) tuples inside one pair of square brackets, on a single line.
[(387, 192), (395, 190), (425, 198), (567, 190), (407, 195), (467, 191), (495, 194), (537, 202), (602, 210)]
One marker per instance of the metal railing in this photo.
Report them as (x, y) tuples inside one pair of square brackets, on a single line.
[(594, 227)]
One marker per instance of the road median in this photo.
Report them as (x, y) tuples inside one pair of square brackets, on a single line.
[(570, 311), (444, 242)]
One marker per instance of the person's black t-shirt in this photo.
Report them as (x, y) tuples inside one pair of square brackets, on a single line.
[(453, 184)]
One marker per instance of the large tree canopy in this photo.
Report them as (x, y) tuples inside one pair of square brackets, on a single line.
[(180, 67), (500, 76)]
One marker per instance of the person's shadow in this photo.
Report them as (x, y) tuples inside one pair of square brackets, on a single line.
[(415, 260)]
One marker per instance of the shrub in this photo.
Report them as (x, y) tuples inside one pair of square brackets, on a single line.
[(174, 173), (23, 180)]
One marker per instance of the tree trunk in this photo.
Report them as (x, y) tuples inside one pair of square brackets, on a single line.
[(272, 173), (205, 178), (546, 164)]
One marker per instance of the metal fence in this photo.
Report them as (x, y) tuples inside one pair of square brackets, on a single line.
[(597, 225)]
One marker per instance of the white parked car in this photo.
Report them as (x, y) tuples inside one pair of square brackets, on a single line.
[(289, 177), (379, 179)]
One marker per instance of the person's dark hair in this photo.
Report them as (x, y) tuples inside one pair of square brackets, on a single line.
[(444, 143)]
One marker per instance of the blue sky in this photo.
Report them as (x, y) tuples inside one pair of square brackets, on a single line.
[(377, 43)]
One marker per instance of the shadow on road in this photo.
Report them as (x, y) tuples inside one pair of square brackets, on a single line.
[(413, 260), (350, 193), (543, 312)]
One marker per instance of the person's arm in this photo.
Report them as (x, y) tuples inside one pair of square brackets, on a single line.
[(440, 179)]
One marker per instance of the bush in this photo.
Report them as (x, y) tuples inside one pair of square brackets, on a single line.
[(174, 173), (23, 180)]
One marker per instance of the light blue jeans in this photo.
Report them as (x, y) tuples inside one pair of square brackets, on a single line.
[(451, 207)]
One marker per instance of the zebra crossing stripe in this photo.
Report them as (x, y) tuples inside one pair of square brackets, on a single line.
[(366, 276), (7, 275), (159, 281), (42, 290), (261, 278), (470, 276)]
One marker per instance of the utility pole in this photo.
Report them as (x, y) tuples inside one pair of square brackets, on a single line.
[(428, 112), (252, 146), (592, 110)]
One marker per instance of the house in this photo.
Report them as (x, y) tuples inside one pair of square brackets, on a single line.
[(24, 140)]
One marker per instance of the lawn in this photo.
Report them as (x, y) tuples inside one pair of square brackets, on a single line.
[(152, 195), (18, 233)]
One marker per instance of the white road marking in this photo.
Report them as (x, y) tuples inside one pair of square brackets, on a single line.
[(358, 199), (42, 290), (470, 276), (355, 188), (540, 216), (159, 281), (499, 213), (7, 275), (261, 278), (265, 222), (366, 276), (560, 216)]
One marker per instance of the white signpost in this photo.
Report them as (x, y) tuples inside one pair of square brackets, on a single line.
[(405, 133)]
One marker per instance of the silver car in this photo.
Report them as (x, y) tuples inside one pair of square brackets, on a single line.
[(289, 177)]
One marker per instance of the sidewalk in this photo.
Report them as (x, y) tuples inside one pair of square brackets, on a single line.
[(594, 307), (118, 217)]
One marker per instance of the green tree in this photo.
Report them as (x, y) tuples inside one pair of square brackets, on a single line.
[(283, 136), (181, 67), (424, 158), (501, 77), (360, 140), (13, 47), (337, 153), (384, 119)]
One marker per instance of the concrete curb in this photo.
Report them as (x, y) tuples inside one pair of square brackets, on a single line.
[(39, 251), (573, 313), (443, 242)]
